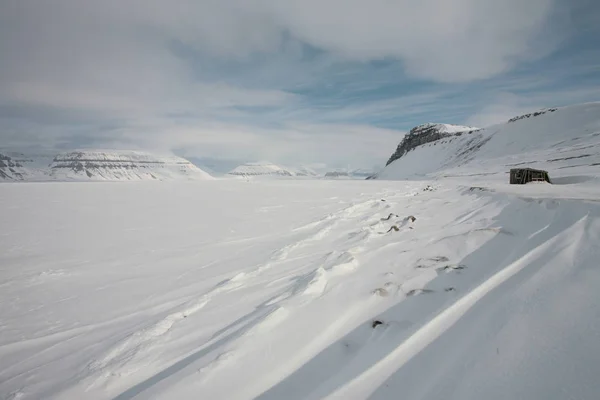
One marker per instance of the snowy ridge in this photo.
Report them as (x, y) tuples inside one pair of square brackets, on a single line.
[(444, 128), (564, 141), (122, 165), (261, 168)]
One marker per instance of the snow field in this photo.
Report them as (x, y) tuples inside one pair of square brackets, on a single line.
[(277, 293)]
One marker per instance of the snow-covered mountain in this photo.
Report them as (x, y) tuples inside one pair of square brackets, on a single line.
[(32, 165), (260, 168), (11, 169), (363, 172), (560, 140), (349, 174), (427, 133), (303, 171), (337, 174), (96, 165), (122, 166)]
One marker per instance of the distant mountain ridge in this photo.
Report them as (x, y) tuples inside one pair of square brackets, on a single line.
[(98, 165), (261, 168)]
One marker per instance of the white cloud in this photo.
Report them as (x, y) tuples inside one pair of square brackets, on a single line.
[(123, 46), (292, 144), (506, 105), (458, 40), (115, 61)]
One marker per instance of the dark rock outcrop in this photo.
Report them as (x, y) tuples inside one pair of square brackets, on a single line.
[(535, 114), (427, 133)]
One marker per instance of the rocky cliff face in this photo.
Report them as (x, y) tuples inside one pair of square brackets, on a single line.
[(122, 166), (427, 133)]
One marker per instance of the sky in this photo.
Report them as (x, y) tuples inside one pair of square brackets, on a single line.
[(329, 83)]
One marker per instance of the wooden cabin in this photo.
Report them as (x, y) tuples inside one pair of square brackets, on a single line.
[(521, 176)]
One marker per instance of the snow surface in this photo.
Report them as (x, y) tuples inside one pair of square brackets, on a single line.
[(309, 289)]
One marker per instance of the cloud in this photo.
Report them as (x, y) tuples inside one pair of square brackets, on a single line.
[(505, 105), (290, 144), (294, 79), (447, 41), (443, 40)]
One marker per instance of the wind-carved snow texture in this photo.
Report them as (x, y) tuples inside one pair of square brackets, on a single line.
[(458, 288)]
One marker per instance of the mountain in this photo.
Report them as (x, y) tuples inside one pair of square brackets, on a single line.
[(350, 174), (427, 133), (11, 169), (563, 141), (363, 173), (33, 165), (214, 166), (122, 166), (261, 168), (304, 171), (337, 174)]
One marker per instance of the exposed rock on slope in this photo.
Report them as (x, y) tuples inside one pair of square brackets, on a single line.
[(122, 166), (11, 169), (427, 133)]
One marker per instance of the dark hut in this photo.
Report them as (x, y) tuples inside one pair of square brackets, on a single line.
[(520, 176)]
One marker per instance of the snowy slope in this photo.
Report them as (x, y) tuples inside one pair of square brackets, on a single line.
[(122, 166), (261, 168), (564, 141)]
